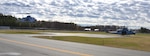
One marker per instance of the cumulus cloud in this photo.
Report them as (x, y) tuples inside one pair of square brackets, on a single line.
[(100, 21), (83, 12)]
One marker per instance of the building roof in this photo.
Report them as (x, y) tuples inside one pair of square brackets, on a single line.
[(28, 19)]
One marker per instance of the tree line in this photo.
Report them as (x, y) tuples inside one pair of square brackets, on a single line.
[(144, 30), (7, 20), (13, 22)]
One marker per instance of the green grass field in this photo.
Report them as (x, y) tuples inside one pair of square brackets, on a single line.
[(39, 31), (88, 32), (20, 31), (137, 42)]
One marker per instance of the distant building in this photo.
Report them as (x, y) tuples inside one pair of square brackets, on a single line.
[(87, 29), (28, 19), (4, 27), (102, 28), (96, 29)]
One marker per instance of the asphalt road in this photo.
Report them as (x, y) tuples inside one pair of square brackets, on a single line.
[(25, 45)]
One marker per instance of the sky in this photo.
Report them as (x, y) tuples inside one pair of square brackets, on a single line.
[(131, 13)]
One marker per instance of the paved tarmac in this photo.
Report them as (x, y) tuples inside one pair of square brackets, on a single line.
[(25, 45), (78, 34)]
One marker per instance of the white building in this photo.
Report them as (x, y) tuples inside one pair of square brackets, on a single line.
[(87, 29)]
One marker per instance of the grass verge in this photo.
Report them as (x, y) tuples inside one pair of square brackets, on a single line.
[(137, 42), (19, 32), (38, 31), (87, 32)]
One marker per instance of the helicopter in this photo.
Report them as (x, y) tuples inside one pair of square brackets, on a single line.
[(123, 31)]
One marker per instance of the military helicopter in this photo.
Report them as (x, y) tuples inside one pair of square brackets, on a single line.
[(123, 31)]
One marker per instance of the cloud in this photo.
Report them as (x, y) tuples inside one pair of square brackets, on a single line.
[(100, 21), (84, 12)]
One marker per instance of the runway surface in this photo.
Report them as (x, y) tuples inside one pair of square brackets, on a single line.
[(78, 34), (25, 45)]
